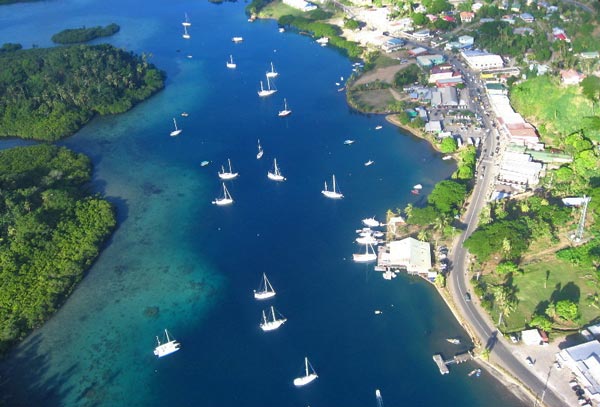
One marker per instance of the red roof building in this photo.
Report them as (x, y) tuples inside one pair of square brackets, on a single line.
[(466, 16)]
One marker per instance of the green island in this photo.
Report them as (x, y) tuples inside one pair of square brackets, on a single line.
[(50, 93), (51, 231), (80, 35)]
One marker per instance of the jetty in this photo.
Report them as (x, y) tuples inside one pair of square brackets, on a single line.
[(456, 360)]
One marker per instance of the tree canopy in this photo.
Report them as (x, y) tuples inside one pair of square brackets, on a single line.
[(51, 231), (46, 94), (79, 35), (448, 196)]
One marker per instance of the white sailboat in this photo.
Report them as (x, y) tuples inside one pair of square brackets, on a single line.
[(370, 162), (265, 290), (273, 323), (266, 92), (275, 175), (285, 111), (230, 64), (186, 22), (177, 131), (367, 256), (309, 375), (225, 200), (227, 175), (186, 35), (334, 193), (237, 39), (260, 151), (366, 239), (164, 349), (272, 73)]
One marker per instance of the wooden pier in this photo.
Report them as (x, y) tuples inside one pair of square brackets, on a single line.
[(458, 358)]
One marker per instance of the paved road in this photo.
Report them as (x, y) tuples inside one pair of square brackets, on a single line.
[(484, 329)]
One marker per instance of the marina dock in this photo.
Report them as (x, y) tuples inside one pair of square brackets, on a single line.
[(457, 359)]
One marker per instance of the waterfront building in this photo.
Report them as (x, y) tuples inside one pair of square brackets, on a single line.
[(408, 254), (584, 361)]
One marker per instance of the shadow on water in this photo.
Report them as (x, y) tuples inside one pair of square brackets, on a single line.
[(34, 388)]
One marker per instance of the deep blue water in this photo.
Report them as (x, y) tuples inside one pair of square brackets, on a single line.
[(196, 264)]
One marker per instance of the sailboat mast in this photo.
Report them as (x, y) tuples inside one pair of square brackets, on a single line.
[(334, 183), (306, 365), (273, 313), (175, 123), (167, 333)]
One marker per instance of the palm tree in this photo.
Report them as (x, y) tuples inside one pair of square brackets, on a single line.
[(423, 235), (408, 210), (504, 301)]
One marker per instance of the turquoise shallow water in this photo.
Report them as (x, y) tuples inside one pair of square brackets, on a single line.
[(176, 261)]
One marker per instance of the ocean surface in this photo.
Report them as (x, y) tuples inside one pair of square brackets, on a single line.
[(178, 262)]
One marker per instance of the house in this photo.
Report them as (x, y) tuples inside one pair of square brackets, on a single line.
[(476, 7), (433, 126), (584, 362), (417, 51), (393, 44), (449, 96), (421, 34), (523, 31), (442, 71), (432, 18), (571, 77), (427, 61), (466, 16), (410, 254), (479, 60), (466, 41), (528, 18), (589, 55), (516, 7), (450, 19)]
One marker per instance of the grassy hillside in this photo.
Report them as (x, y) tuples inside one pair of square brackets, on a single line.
[(556, 110)]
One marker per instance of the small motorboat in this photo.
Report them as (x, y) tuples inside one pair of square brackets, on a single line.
[(369, 163), (378, 127), (415, 191), (454, 341), (204, 163), (348, 142), (185, 114)]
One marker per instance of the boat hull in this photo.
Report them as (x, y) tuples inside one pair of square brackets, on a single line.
[(223, 202), (228, 175), (284, 113), (332, 195), (272, 325), (364, 258), (304, 380), (275, 177), (175, 133), (264, 295)]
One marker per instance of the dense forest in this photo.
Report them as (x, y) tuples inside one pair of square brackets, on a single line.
[(46, 94), (50, 233), (79, 35)]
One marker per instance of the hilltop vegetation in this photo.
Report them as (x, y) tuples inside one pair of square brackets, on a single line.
[(79, 35), (51, 231), (47, 94)]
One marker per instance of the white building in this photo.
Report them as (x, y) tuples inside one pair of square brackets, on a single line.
[(300, 5), (465, 40), (584, 362), (479, 60), (531, 337), (518, 171), (410, 254)]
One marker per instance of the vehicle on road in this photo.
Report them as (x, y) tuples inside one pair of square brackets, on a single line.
[(467, 297)]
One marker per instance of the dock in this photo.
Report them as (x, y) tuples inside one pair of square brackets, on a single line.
[(439, 361), (457, 359)]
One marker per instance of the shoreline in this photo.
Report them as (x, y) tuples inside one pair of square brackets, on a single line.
[(413, 132)]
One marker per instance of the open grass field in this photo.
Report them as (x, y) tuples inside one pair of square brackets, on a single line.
[(551, 280)]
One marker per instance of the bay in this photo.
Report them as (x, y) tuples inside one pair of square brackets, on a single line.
[(176, 261)]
